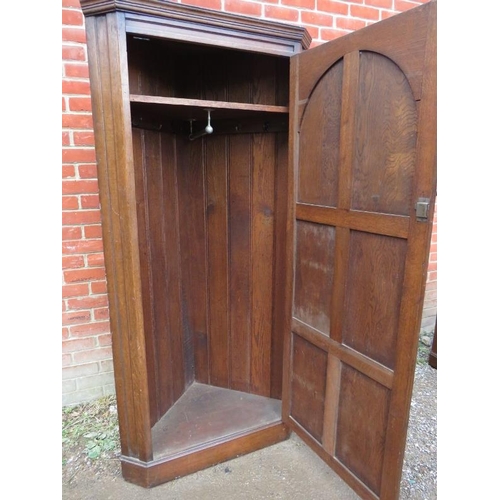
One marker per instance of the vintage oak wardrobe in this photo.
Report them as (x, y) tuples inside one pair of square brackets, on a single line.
[(267, 213)]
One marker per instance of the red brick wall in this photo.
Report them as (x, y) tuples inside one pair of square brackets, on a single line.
[(86, 340), (430, 301), (86, 345)]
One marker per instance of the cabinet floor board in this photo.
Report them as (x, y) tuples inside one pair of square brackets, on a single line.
[(206, 414)]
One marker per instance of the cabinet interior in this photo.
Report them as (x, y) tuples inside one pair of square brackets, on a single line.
[(212, 227)]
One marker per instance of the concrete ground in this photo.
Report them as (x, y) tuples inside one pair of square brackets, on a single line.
[(287, 470)]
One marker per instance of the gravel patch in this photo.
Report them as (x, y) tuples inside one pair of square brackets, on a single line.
[(419, 480)]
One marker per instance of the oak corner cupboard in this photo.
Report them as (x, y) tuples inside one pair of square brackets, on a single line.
[(267, 213)]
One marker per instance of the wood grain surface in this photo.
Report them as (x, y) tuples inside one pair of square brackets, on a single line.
[(371, 96)]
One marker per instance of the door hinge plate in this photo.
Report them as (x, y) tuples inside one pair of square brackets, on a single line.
[(422, 209)]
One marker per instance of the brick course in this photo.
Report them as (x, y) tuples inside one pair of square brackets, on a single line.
[(85, 311), (86, 361)]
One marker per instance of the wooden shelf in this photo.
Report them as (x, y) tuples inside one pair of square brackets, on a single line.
[(206, 415), (195, 109)]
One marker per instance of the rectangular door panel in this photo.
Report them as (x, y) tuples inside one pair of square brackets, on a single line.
[(314, 274), (375, 274), (308, 383)]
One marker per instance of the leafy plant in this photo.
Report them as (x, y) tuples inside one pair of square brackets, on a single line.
[(423, 353), (99, 442), (92, 425)]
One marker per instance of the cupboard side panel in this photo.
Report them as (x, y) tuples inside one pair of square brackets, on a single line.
[(142, 198), (279, 265), (282, 81), (156, 183), (240, 188), (262, 251), (218, 259), (180, 373), (190, 178), (158, 263), (265, 89), (151, 70)]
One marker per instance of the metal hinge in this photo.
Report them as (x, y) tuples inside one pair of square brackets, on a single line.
[(422, 209)]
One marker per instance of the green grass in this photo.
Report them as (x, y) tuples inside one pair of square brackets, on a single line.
[(92, 425), (423, 353)]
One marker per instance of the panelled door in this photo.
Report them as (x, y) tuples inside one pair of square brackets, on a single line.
[(363, 143)]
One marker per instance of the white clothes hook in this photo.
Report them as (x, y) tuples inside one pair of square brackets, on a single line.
[(207, 130)]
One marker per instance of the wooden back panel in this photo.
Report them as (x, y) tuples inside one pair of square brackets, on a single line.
[(210, 219), (173, 69), (170, 366), (363, 140), (210, 237)]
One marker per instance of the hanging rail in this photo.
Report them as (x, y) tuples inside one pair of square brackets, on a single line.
[(207, 130)]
